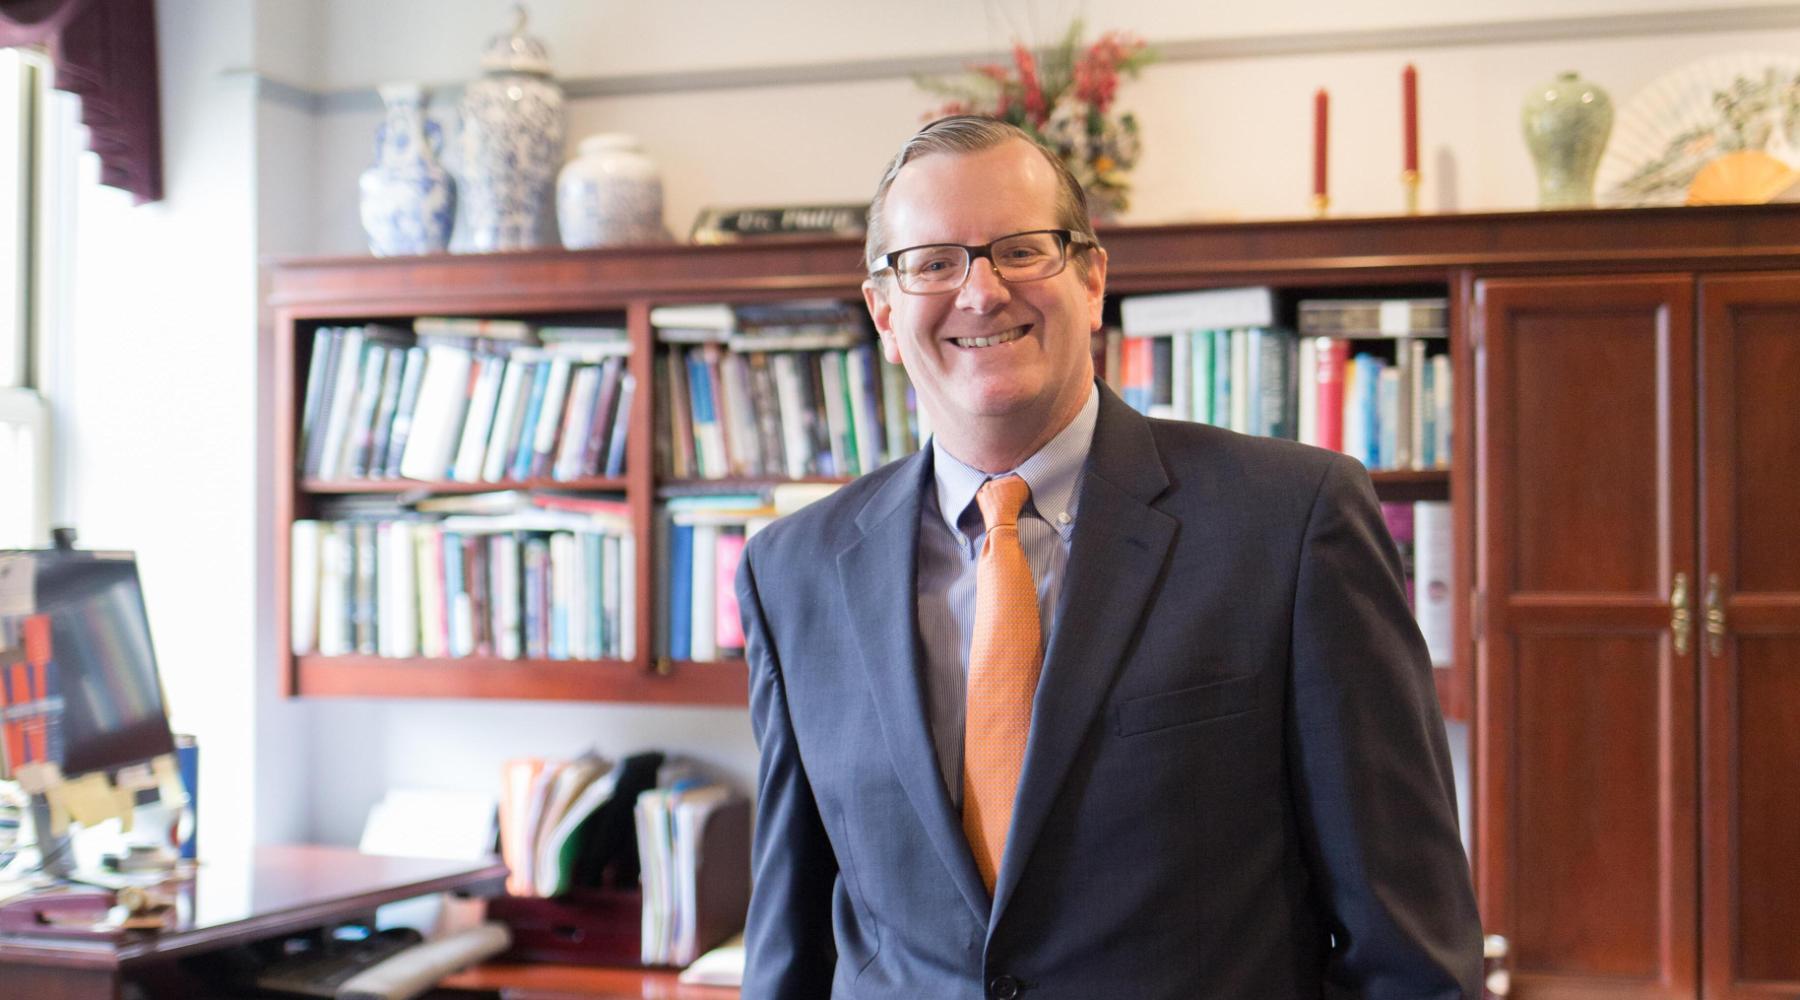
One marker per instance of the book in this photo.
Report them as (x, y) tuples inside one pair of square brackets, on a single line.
[(488, 372), (549, 420), (521, 448), (1213, 308), (412, 373), (703, 578), (437, 420), (470, 327), (1399, 520), (1330, 357), (594, 454), (320, 369), (681, 592), (616, 451), (338, 401), (386, 409), (305, 574), (509, 412), (729, 626), (1374, 317), (578, 419), (1434, 578)]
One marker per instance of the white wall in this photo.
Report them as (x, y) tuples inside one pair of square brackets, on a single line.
[(157, 399), (267, 123)]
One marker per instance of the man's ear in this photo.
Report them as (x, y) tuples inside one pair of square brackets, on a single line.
[(876, 298), (1096, 286)]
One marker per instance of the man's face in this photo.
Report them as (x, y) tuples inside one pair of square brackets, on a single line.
[(1040, 377)]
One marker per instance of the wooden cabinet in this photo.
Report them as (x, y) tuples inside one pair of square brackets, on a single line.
[(1637, 613), (1747, 635)]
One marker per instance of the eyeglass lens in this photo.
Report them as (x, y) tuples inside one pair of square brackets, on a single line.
[(943, 268)]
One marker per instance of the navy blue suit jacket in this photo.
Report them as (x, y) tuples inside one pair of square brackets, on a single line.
[(1236, 784)]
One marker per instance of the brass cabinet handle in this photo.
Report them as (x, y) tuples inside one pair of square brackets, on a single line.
[(1680, 623), (1715, 616)]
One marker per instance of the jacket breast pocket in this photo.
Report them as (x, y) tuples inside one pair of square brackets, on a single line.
[(1187, 705)]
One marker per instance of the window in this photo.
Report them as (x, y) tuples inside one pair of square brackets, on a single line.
[(24, 418)]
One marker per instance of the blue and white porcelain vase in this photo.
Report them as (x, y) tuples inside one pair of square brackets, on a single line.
[(408, 199), (610, 195), (512, 145)]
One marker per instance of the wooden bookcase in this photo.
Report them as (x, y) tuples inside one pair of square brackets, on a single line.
[(1348, 257)]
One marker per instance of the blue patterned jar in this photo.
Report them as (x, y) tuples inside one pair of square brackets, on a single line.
[(408, 199), (610, 195), (512, 145)]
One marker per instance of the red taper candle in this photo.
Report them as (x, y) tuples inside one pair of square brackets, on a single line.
[(1321, 117), (1409, 99)]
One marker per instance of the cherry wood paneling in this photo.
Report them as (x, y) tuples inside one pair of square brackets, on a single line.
[(1750, 445), (1585, 809)]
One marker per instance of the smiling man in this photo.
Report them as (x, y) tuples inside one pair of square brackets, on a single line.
[(1072, 703)]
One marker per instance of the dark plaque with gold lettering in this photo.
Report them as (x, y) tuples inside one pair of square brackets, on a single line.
[(731, 225)]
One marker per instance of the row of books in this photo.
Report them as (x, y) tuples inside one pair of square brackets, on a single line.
[(702, 541), (543, 584), (1216, 357), (791, 389), (787, 412), (1423, 532), (467, 401)]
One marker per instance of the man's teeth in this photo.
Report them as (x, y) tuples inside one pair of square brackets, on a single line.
[(999, 338)]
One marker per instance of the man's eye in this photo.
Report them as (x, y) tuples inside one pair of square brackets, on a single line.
[(933, 265), (1020, 255)]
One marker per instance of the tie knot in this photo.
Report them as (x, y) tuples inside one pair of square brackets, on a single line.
[(1001, 500)]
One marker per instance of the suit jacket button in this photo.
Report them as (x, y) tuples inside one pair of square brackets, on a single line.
[(1003, 988)]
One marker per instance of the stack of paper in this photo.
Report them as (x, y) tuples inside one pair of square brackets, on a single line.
[(542, 807), (671, 826)]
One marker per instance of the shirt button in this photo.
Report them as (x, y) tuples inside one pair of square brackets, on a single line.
[(1003, 988), (1062, 518)]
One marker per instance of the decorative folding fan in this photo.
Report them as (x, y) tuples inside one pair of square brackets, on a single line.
[(1742, 178), (1667, 133)]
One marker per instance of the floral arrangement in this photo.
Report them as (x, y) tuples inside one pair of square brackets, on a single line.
[(1063, 96)]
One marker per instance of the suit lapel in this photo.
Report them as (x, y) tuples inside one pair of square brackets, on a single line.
[(879, 579), (1115, 559)]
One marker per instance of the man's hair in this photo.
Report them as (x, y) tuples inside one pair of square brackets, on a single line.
[(961, 134)]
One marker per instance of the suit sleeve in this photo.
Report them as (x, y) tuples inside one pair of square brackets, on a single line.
[(1371, 773), (790, 953)]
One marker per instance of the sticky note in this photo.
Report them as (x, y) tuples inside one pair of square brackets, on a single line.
[(18, 585), (38, 778), (91, 799)]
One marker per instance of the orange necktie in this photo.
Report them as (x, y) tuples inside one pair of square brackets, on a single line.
[(1004, 659)]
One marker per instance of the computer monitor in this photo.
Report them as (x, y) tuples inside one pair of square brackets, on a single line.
[(79, 685)]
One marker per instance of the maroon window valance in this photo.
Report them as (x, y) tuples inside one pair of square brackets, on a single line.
[(105, 52)]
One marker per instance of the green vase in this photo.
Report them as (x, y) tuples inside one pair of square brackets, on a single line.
[(1567, 122)]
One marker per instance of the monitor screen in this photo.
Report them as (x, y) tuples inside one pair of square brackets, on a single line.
[(78, 675)]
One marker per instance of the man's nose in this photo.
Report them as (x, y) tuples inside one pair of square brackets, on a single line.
[(984, 291)]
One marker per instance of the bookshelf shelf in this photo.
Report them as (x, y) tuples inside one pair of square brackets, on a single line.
[(724, 684), (1397, 485), (669, 487), (347, 487)]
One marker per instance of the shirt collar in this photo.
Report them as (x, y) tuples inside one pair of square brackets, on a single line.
[(1052, 472)]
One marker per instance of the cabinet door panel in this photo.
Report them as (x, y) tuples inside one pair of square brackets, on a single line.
[(1610, 839), (1750, 746), (1585, 731)]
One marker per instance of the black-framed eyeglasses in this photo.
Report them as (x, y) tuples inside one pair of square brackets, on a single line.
[(939, 268)]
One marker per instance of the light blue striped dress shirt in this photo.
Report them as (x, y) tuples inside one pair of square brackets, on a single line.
[(950, 537)]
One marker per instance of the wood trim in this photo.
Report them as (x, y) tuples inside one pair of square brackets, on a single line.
[(546, 680)]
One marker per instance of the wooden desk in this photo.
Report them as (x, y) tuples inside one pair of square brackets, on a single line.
[(281, 890), (571, 982)]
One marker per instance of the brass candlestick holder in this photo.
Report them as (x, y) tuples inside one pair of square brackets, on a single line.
[(1409, 185), (1321, 205)]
